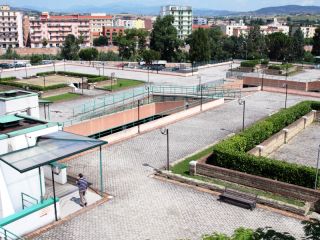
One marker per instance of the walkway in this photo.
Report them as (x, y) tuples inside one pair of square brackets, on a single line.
[(147, 208)]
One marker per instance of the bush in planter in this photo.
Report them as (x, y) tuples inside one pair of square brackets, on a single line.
[(232, 152), (97, 79), (265, 61), (249, 63)]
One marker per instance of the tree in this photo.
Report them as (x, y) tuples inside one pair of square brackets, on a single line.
[(298, 45), (316, 43), (164, 38), (256, 43), (44, 42), (131, 43), (101, 41), (278, 44), (216, 40), (150, 55), (35, 59), (88, 54), (312, 229), (199, 46), (108, 56), (70, 48)]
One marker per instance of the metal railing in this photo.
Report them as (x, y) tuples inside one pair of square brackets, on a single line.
[(127, 100), (7, 235), (28, 201)]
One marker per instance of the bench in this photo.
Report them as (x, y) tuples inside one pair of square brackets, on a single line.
[(239, 199)]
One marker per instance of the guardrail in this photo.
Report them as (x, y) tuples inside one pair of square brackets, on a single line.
[(28, 201), (126, 100), (7, 235)]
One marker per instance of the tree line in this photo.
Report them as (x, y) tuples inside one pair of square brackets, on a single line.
[(203, 45)]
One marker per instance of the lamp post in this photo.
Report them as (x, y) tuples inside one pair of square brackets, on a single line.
[(64, 64), (139, 103), (262, 80), (242, 102), (317, 169), (285, 85), (165, 131), (200, 89), (103, 68), (25, 67), (44, 80)]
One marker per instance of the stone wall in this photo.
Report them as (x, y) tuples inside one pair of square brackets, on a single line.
[(269, 185), (255, 81), (282, 137)]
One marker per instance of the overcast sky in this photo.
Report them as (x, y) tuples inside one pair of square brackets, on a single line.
[(235, 5)]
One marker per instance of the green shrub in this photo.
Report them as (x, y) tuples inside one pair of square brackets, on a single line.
[(265, 61), (250, 63), (8, 79), (97, 79), (280, 66), (232, 152), (75, 74), (33, 87)]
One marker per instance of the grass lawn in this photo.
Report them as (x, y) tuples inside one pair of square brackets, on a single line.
[(122, 84), (63, 97), (182, 168)]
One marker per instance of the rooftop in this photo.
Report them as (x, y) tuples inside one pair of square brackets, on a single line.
[(12, 124), (14, 94)]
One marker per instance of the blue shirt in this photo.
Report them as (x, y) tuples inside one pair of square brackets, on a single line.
[(82, 184)]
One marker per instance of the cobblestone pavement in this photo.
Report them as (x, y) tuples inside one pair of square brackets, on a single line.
[(147, 208), (302, 149)]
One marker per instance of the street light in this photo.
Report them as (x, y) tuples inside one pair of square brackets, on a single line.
[(44, 80), (139, 103), (317, 169), (285, 85), (200, 89), (241, 101), (262, 80), (64, 64), (165, 131)]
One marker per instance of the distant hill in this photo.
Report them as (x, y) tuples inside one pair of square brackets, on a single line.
[(137, 8), (288, 9)]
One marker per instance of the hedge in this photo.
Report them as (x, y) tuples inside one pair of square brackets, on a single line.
[(232, 152), (33, 87), (250, 63), (280, 66), (45, 73), (8, 79)]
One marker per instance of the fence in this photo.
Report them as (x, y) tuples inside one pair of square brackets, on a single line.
[(128, 99), (7, 235)]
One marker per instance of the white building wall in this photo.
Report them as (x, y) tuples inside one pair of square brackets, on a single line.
[(34, 221), (6, 206), (28, 105), (17, 183)]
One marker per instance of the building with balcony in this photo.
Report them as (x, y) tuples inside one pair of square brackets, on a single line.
[(54, 29), (308, 31), (182, 18), (11, 33)]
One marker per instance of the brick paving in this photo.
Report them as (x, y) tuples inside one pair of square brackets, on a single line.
[(302, 149), (146, 208)]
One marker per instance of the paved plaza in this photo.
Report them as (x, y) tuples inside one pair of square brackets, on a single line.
[(147, 208), (303, 148)]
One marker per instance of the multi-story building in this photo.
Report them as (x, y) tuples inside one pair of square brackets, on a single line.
[(308, 32), (182, 18), (98, 21), (112, 32), (54, 29), (275, 26), (234, 29), (11, 33), (200, 21)]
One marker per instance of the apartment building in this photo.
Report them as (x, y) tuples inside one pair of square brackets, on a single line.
[(182, 18), (11, 33), (234, 29), (112, 32), (54, 29), (98, 21), (308, 31), (200, 21)]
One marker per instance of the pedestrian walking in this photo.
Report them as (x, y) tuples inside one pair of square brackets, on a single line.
[(82, 184)]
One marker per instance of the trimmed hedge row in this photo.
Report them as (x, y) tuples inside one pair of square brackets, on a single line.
[(280, 66), (91, 77), (232, 152), (8, 79), (250, 63), (33, 87)]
